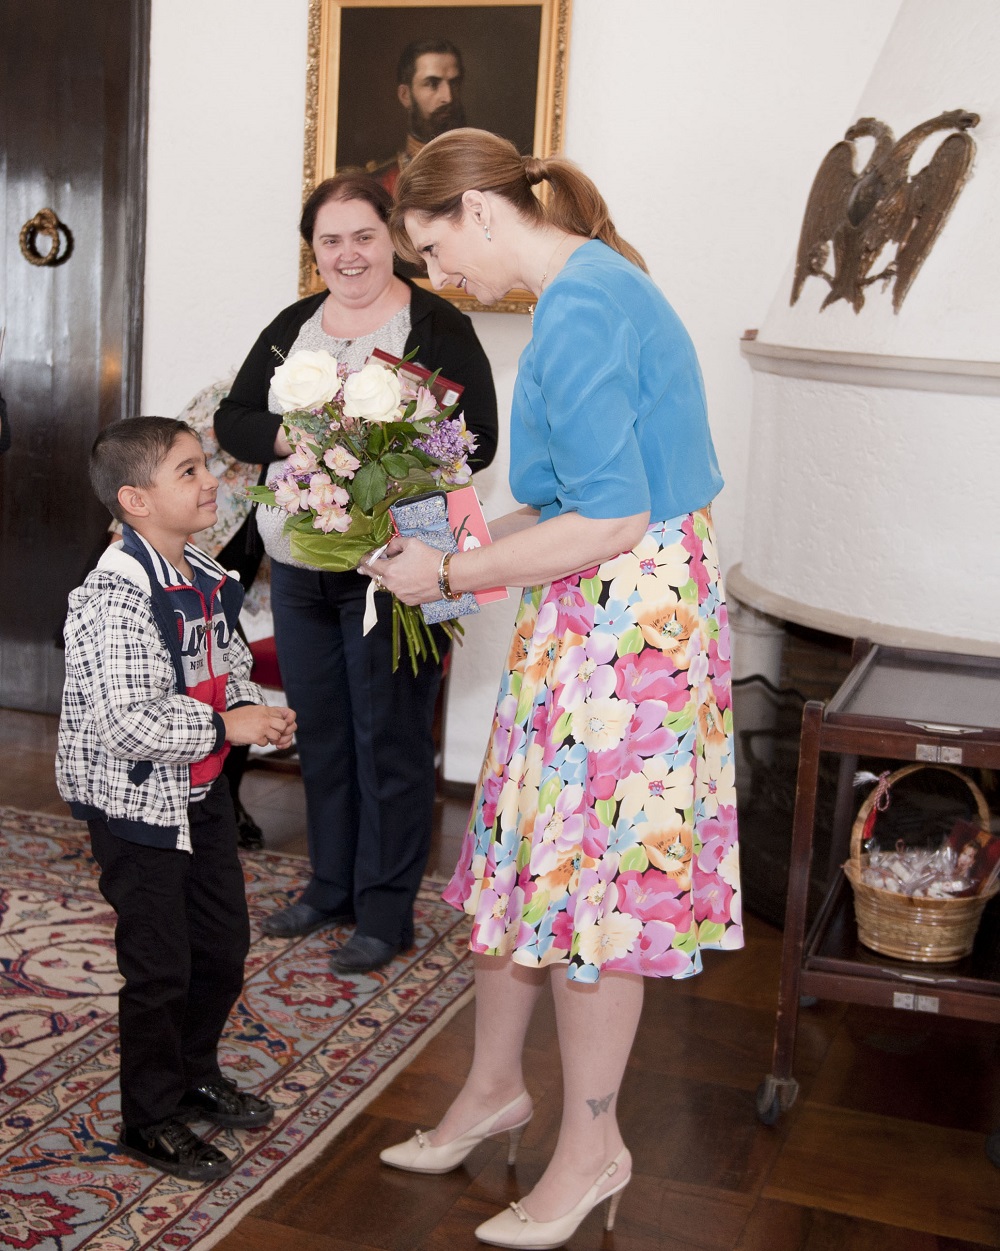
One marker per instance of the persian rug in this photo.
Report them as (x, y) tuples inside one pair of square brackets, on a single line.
[(318, 1045)]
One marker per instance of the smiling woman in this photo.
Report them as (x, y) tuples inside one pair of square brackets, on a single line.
[(364, 739)]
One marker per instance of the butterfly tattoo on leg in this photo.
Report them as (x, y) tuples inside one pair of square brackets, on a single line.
[(597, 1106)]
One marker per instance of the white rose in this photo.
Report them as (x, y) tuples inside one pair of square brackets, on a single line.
[(305, 380), (372, 394)]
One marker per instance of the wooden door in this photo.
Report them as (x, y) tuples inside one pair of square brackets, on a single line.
[(73, 88)]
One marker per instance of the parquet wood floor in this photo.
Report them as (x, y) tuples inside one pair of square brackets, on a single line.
[(882, 1152)]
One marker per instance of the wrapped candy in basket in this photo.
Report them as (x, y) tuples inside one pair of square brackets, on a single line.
[(922, 903)]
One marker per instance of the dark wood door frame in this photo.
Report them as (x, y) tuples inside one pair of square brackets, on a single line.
[(74, 83)]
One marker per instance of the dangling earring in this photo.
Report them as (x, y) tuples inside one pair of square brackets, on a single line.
[(486, 231), (316, 271)]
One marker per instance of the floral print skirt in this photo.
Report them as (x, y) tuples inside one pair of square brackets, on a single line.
[(603, 832)]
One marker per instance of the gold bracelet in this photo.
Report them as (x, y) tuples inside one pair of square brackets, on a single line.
[(444, 583)]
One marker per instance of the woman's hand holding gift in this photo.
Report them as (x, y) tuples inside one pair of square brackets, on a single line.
[(409, 569)]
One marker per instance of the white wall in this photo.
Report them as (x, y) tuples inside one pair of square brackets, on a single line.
[(701, 123), (226, 105)]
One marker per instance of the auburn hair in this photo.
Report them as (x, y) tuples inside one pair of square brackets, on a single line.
[(477, 160)]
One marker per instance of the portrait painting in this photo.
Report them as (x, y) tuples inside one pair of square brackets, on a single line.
[(386, 78)]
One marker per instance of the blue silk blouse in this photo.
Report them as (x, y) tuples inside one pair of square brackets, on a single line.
[(609, 415)]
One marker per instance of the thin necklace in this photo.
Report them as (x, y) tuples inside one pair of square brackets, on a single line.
[(545, 275)]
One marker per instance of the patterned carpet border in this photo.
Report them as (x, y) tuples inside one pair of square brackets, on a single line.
[(319, 1046)]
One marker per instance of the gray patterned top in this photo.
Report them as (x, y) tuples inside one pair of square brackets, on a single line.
[(312, 337)]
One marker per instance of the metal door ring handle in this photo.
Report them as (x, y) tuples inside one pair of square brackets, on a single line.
[(45, 223)]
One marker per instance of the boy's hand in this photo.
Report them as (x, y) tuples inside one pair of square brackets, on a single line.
[(260, 724)]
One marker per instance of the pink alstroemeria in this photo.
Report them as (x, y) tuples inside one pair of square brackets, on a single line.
[(290, 496), (340, 460), (584, 671), (332, 518), (651, 675), (324, 494), (303, 460), (426, 405)]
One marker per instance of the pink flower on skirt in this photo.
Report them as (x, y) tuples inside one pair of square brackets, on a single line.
[(651, 675), (497, 904), (575, 613), (657, 956), (652, 896), (711, 897)]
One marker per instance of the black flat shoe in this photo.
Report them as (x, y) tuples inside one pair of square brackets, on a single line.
[(298, 919), (172, 1148), (362, 953), (222, 1102)]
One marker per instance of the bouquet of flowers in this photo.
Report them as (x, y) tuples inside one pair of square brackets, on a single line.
[(361, 442)]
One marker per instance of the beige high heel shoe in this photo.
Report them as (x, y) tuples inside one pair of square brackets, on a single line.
[(515, 1228), (419, 1155)]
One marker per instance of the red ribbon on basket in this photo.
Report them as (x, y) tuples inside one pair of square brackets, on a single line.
[(881, 803)]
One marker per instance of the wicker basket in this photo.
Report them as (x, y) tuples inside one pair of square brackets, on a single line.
[(931, 931)]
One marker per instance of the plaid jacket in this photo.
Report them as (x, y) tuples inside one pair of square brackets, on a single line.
[(128, 734)]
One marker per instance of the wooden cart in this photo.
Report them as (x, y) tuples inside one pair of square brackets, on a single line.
[(902, 704)]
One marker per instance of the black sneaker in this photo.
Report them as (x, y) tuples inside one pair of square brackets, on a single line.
[(171, 1147), (220, 1101)]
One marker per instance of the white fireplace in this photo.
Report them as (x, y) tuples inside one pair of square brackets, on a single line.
[(873, 500)]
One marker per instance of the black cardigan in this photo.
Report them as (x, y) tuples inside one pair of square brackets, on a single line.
[(443, 336)]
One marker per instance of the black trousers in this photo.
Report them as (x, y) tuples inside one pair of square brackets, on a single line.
[(365, 745), (181, 939)]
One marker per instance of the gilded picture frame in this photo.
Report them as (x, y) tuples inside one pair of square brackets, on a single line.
[(513, 82)]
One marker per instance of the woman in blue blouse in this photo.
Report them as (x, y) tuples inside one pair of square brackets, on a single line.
[(602, 841)]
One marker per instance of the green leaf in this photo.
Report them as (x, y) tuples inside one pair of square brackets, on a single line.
[(605, 810), (396, 464), (711, 628), (634, 860), (336, 553), (261, 495), (591, 588), (630, 642), (549, 792), (686, 941), (537, 908), (678, 722), (710, 932), (689, 592), (523, 854), (700, 526), (370, 483), (377, 440), (562, 727)]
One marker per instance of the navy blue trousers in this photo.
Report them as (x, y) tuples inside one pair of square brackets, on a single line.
[(181, 939), (365, 745)]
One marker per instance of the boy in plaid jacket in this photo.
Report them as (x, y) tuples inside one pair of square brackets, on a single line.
[(157, 686)]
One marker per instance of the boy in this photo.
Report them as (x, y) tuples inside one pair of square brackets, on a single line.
[(156, 686)]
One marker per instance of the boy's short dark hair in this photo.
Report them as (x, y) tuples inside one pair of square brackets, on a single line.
[(128, 453)]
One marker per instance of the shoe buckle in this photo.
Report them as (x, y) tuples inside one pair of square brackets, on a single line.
[(421, 1137), (520, 1213)]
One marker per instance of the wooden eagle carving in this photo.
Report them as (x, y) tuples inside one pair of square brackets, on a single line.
[(860, 214)]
